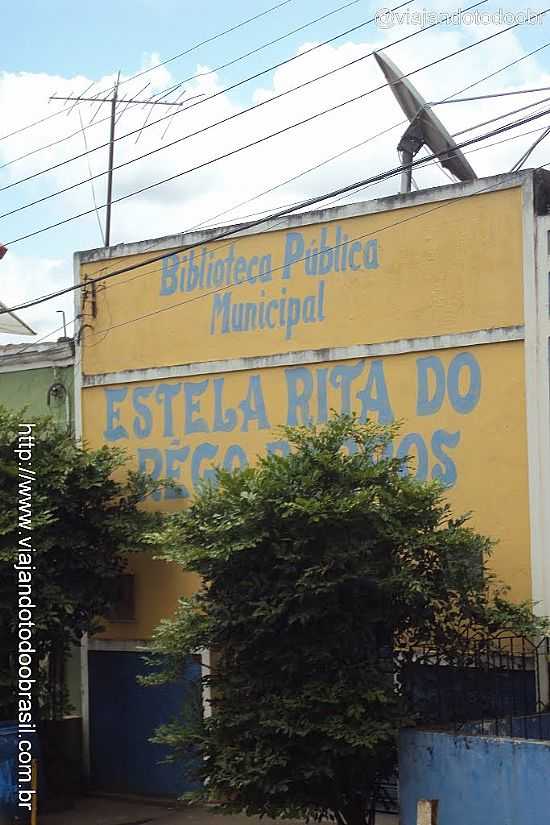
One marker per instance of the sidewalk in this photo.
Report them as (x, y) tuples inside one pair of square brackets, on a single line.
[(100, 811)]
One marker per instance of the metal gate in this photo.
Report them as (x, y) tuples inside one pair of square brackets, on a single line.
[(123, 717)]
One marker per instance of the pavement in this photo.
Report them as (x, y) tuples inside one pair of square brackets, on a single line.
[(107, 811)]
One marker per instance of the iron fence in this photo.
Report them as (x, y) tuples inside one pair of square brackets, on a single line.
[(496, 686)]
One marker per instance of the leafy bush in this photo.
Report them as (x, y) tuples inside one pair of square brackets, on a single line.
[(314, 566)]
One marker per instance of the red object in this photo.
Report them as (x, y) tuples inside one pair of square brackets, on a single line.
[(3, 250)]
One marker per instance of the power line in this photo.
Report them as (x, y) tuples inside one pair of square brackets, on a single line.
[(234, 151), (425, 162), (94, 201), (157, 65), (173, 87), (246, 80), (379, 134), (491, 96), (231, 231), (472, 85), (483, 79), (275, 269), (288, 206), (435, 163)]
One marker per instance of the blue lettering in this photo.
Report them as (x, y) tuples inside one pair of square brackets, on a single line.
[(414, 440), (278, 448), (293, 316), (298, 400), (370, 254), (165, 394), (251, 264), (174, 460), (235, 454), (224, 420), (294, 251), (112, 397), (326, 254), (446, 470), (195, 273), (204, 452), (322, 399), (253, 407), (265, 269), (381, 402), (426, 404), (273, 304), (144, 423), (192, 389), (221, 304), (341, 378), (241, 268), (464, 404), (355, 248), (169, 276)]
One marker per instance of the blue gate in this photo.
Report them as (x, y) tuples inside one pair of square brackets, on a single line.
[(124, 715), (8, 768)]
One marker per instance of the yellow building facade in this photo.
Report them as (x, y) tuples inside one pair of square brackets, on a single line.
[(429, 308)]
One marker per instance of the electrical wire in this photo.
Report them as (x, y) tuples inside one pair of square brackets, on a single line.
[(241, 148), (173, 87), (241, 83), (233, 230), (432, 163), (94, 201), (379, 134), (298, 260), (293, 204), (490, 96), (233, 28), (481, 80)]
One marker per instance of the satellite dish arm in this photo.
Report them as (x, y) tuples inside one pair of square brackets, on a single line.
[(410, 144)]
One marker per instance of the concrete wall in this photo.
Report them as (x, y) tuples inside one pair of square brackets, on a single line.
[(29, 388), (184, 387), (478, 780)]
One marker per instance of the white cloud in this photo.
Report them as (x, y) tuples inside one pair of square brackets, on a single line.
[(195, 197)]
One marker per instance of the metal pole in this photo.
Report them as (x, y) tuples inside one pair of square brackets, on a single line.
[(406, 173), (111, 159)]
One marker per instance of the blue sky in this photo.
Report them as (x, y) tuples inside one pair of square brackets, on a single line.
[(63, 46), (96, 38)]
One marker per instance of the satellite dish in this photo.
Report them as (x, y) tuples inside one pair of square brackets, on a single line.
[(10, 323), (425, 128)]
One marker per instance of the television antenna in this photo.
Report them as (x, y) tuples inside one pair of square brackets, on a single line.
[(114, 100), (425, 129)]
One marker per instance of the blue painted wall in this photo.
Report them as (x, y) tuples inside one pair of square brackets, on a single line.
[(478, 780), (124, 715)]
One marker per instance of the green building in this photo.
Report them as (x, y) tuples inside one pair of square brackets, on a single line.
[(39, 377)]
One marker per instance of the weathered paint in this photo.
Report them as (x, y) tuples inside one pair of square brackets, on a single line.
[(476, 779), (433, 319), (460, 412), (123, 720), (422, 271), (425, 326), (29, 388)]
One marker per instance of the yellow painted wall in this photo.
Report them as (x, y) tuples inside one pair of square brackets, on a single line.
[(432, 269), (475, 440)]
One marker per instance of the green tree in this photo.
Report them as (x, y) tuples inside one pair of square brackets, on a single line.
[(85, 522), (314, 566)]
